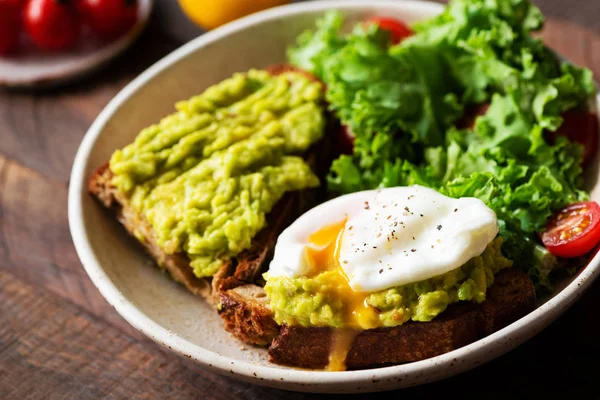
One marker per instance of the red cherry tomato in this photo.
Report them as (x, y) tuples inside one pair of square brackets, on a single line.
[(109, 18), (345, 140), (581, 126), (471, 114), (278, 69), (10, 26), (574, 230), (53, 25), (19, 4), (398, 29)]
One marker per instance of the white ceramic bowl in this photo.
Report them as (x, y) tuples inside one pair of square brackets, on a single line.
[(163, 310)]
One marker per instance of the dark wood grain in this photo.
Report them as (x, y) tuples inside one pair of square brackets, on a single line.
[(53, 349), (59, 338), (35, 243)]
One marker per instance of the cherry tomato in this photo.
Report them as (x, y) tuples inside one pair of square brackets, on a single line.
[(19, 4), (278, 69), (10, 26), (471, 114), (581, 126), (109, 19), (345, 140), (574, 230), (398, 29), (53, 25)]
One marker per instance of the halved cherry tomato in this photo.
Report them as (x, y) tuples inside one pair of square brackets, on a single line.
[(109, 19), (581, 126), (471, 114), (574, 230), (10, 25), (398, 29), (52, 25)]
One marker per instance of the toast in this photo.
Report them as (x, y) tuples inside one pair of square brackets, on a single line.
[(177, 265), (510, 297), (241, 270), (247, 266)]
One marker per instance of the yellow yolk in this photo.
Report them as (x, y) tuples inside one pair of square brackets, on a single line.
[(323, 251), (341, 343)]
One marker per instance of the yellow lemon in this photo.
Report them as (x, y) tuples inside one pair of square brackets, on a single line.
[(210, 14)]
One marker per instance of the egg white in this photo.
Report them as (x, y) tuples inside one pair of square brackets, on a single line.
[(392, 237)]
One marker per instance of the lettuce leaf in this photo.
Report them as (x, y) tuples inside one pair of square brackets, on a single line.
[(314, 48), (403, 102)]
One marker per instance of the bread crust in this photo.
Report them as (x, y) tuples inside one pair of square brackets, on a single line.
[(241, 270), (245, 311), (178, 264), (511, 297)]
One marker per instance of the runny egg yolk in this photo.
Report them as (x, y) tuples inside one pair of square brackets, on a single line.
[(323, 251)]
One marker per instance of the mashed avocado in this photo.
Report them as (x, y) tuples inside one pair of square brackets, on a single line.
[(206, 176), (319, 300)]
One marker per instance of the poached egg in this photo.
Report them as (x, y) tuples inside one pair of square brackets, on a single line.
[(379, 239)]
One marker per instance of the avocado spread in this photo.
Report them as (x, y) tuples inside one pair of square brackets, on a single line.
[(206, 176), (322, 300)]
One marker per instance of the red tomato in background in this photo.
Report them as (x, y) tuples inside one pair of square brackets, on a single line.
[(109, 18), (19, 4), (278, 69), (10, 25), (344, 140), (398, 29), (574, 230), (580, 126), (471, 114), (53, 25)]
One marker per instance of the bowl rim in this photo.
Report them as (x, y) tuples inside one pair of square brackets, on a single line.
[(522, 328)]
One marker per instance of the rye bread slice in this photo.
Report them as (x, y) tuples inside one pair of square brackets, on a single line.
[(177, 265), (510, 297), (241, 270), (247, 266), (247, 316)]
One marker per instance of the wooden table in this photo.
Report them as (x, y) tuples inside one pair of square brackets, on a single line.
[(58, 337)]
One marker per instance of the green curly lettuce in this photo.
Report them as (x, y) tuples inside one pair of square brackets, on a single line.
[(403, 102)]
